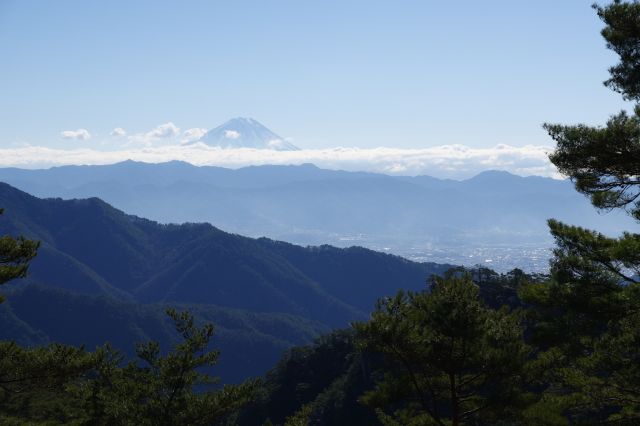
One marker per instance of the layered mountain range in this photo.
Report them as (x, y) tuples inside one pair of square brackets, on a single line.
[(105, 275), (308, 205)]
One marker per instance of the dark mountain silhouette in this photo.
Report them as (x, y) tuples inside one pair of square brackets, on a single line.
[(104, 275)]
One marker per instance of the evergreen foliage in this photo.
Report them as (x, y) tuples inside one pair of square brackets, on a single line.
[(604, 162), (585, 319), (57, 384), (345, 376), (163, 390), (15, 254), (321, 382), (454, 359), (35, 382), (622, 33)]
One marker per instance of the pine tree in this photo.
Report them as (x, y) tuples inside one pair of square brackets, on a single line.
[(33, 381), (59, 384), (164, 390), (15, 254), (455, 360), (588, 313)]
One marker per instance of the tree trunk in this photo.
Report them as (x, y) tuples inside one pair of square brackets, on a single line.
[(455, 408)]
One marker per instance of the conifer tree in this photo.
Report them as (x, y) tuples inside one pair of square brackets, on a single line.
[(60, 384), (164, 390), (455, 360), (33, 381), (588, 313), (15, 254)]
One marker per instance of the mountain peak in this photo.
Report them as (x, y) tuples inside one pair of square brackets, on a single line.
[(491, 175), (245, 132)]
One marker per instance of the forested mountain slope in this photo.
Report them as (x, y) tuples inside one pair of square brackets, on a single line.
[(102, 275)]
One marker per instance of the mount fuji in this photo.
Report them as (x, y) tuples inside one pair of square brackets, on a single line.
[(245, 133)]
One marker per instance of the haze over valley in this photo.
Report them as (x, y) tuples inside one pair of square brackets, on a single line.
[(493, 219)]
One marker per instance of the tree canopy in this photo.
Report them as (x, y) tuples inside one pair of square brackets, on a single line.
[(455, 359), (60, 384), (604, 162), (15, 254), (587, 315)]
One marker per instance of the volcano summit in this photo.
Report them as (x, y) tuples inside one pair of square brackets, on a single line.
[(245, 133)]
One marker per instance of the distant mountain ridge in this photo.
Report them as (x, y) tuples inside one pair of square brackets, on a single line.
[(308, 205), (242, 132)]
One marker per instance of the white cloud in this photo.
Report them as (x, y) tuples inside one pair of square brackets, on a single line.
[(231, 134), (275, 143), (163, 131), (446, 161), (166, 130), (118, 132), (80, 134), (192, 135)]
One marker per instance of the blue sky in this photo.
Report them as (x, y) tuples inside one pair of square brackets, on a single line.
[(402, 74)]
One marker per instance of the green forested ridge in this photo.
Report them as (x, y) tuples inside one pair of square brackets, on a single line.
[(83, 240), (62, 384), (67, 384), (95, 264), (249, 342)]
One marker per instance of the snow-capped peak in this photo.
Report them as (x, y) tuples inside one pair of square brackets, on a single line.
[(244, 132)]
